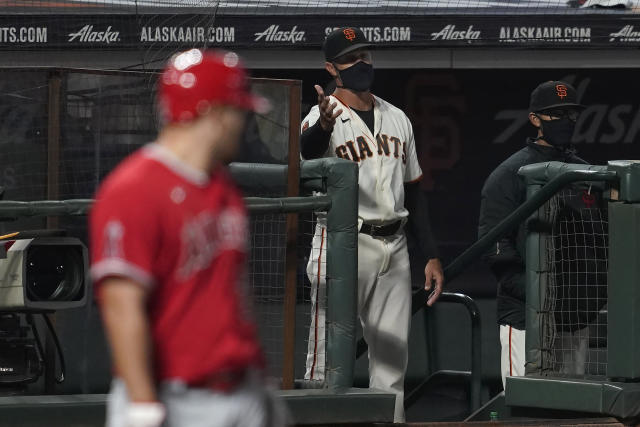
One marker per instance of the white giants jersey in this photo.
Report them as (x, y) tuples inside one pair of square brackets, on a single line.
[(386, 160)]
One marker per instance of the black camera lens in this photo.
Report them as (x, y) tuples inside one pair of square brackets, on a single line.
[(54, 273)]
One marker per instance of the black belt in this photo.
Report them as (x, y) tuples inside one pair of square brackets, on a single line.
[(222, 381), (381, 230)]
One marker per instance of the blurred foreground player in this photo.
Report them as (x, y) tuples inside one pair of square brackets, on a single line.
[(169, 246), (554, 111)]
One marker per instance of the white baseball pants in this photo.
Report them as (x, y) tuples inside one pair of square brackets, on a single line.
[(384, 308), (512, 360), (251, 405), (570, 351)]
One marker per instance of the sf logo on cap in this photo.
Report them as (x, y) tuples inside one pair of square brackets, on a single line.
[(349, 34), (561, 90)]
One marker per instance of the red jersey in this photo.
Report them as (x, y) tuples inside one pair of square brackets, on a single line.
[(184, 235)]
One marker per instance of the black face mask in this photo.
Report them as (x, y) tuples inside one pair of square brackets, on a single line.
[(558, 132), (358, 77)]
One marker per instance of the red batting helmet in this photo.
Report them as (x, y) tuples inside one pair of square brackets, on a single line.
[(195, 80)]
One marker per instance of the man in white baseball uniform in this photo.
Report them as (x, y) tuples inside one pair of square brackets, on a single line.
[(356, 125)]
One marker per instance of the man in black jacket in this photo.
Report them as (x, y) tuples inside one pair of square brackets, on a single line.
[(554, 111)]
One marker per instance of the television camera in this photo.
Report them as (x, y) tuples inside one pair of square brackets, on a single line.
[(40, 272)]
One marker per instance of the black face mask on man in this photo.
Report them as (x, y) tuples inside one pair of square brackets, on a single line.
[(358, 77), (558, 132)]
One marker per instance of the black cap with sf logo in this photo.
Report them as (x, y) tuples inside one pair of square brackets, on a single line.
[(342, 41), (554, 94)]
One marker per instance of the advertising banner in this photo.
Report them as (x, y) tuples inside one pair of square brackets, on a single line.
[(179, 30)]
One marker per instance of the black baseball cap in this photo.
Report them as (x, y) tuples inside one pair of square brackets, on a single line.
[(343, 40), (554, 94)]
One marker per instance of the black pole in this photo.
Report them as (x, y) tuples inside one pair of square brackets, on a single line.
[(476, 343)]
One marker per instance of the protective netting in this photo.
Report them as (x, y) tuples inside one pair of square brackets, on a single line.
[(574, 320), (298, 6), (63, 131), (267, 279), (151, 30), (101, 119)]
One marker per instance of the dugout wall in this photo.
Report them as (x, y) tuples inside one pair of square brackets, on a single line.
[(571, 260)]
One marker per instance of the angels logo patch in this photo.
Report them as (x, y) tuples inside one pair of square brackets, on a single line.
[(113, 234), (207, 235)]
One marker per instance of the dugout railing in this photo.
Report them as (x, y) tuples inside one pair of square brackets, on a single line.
[(566, 272), (474, 376), (583, 272), (476, 251), (548, 386), (269, 177), (615, 393), (581, 251), (337, 180)]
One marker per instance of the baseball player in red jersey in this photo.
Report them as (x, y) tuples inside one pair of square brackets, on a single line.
[(169, 252)]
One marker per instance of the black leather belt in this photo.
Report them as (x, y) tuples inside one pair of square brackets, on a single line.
[(222, 381), (381, 230)]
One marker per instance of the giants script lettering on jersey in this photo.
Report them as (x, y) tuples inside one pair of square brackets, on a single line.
[(360, 150), (206, 236)]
